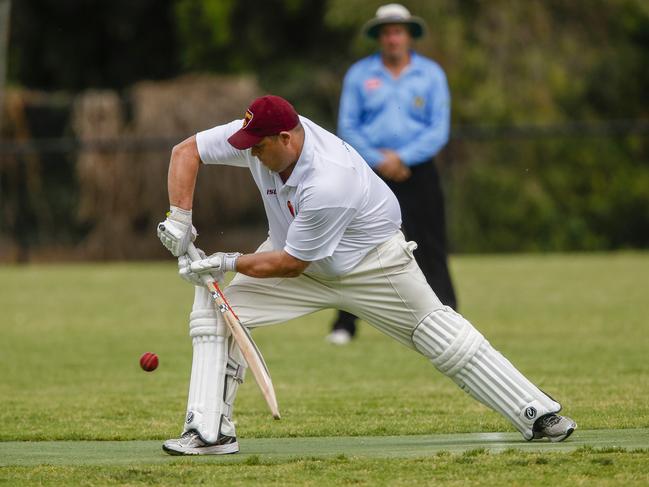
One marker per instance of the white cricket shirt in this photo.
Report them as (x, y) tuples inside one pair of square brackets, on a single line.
[(332, 210)]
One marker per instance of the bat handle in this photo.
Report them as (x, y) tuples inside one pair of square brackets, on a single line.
[(194, 256), (193, 252)]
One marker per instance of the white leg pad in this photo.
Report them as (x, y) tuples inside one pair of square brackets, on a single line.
[(210, 356), (460, 352), (235, 374)]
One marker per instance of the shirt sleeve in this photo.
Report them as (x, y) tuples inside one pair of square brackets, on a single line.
[(350, 115), (427, 144), (315, 234), (214, 148)]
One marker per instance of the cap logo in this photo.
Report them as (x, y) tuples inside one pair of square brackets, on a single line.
[(265, 116), (247, 118)]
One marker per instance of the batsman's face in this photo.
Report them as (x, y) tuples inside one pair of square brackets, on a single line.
[(395, 41), (273, 152)]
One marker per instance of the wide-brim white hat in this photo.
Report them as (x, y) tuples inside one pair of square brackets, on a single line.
[(394, 13)]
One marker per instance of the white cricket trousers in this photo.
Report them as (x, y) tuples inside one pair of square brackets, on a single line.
[(387, 289)]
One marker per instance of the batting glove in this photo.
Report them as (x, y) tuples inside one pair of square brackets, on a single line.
[(185, 272), (219, 262), (177, 231)]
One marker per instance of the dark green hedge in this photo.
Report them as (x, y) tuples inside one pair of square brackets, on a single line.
[(549, 194)]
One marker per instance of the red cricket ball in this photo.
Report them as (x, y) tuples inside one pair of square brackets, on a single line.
[(149, 361)]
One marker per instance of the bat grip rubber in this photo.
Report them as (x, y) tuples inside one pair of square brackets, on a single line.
[(194, 256)]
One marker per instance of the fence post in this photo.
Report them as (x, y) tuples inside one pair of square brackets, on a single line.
[(5, 9)]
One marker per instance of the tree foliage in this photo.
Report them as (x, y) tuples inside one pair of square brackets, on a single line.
[(80, 44), (508, 63)]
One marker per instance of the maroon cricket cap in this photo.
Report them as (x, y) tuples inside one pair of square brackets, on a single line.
[(268, 115)]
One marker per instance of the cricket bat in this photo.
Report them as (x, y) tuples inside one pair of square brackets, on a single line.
[(241, 335)]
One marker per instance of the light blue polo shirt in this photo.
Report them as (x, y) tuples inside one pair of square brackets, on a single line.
[(409, 114)]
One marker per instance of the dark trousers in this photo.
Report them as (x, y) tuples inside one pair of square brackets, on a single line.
[(422, 213)]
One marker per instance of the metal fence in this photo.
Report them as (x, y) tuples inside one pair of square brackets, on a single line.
[(53, 205)]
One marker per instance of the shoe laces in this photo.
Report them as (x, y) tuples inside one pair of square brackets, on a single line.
[(188, 434), (550, 420)]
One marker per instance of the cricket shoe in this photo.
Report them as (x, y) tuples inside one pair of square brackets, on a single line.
[(554, 427), (190, 443)]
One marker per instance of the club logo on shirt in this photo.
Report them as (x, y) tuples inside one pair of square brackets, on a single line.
[(290, 208), (418, 101), (271, 191), (372, 84), (247, 118)]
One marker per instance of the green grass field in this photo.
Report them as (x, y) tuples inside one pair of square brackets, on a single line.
[(76, 409)]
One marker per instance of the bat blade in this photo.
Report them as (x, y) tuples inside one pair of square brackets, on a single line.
[(242, 337)]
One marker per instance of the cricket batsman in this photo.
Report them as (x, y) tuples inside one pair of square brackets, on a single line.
[(334, 241)]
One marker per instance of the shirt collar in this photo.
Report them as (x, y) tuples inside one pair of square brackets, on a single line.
[(304, 161), (377, 66)]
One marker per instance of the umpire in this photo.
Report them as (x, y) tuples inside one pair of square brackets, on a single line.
[(395, 111)]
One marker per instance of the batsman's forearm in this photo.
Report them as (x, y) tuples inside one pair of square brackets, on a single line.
[(270, 264), (183, 170)]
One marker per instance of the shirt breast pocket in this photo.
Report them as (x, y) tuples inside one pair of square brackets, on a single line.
[(419, 105)]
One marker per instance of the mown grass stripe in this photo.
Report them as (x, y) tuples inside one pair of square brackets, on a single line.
[(24, 453)]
